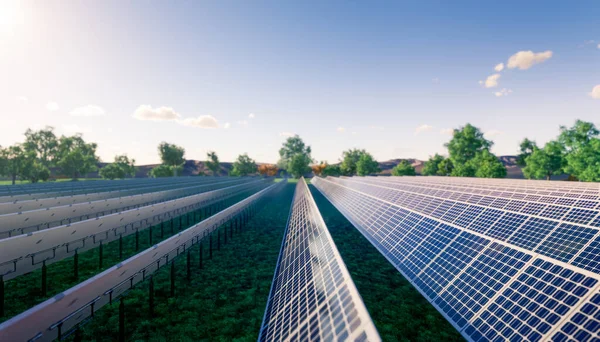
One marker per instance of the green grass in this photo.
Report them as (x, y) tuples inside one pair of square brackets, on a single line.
[(398, 310)]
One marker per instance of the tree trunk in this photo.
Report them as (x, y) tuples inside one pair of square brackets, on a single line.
[(174, 170), (14, 178)]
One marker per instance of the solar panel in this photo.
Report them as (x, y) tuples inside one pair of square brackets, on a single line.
[(497, 268), (312, 297)]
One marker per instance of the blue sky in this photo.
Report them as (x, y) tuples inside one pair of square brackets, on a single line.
[(392, 77)]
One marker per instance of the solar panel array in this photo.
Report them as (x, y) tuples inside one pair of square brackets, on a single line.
[(312, 296), (501, 260), (56, 316)]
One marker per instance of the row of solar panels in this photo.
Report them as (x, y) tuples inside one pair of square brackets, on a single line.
[(34, 220), (23, 253), (95, 187), (45, 321), (312, 296), (40, 203), (505, 272), (571, 189), (581, 199)]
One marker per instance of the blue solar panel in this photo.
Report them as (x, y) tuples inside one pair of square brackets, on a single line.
[(499, 265), (312, 297)]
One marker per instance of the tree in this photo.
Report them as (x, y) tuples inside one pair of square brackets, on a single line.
[(487, 165), (33, 170), (75, 156), (445, 167), (295, 156), (14, 161), (171, 155), (349, 160), (121, 168), (431, 167), (298, 165), (577, 136), (317, 169), (269, 170), (331, 170), (366, 165), (466, 142), (163, 171), (43, 144), (526, 147), (404, 168), (243, 166), (544, 162), (582, 157), (213, 162), (584, 162)]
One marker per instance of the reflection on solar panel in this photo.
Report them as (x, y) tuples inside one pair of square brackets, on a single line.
[(501, 260), (312, 296)]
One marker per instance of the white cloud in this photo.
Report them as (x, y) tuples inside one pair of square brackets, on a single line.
[(447, 131), (89, 110), (146, 112), (503, 92), (340, 129), (243, 122), (423, 128), (377, 128), (227, 125), (354, 133), (480, 82), (22, 99), (251, 116), (492, 133), (526, 59), (286, 134), (499, 67), (435, 80), (595, 92), (492, 81), (203, 121), (598, 46), (52, 106)]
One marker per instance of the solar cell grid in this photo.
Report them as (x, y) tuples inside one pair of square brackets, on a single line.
[(312, 297), (492, 290)]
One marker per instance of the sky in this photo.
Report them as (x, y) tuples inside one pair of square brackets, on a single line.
[(392, 77)]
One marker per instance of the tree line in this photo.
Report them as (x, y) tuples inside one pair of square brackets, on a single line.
[(576, 151)]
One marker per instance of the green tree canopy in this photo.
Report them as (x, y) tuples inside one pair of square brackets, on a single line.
[(164, 171), (487, 165), (295, 156), (366, 165), (331, 170), (212, 162), (243, 166), (466, 142), (14, 161), (404, 168), (43, 144), (584, 161), (526, 147), (544, 162), (75, 156), (432, 166), (349, 160), (577, 136), (171, 155), (445, 167), (119, 169)]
